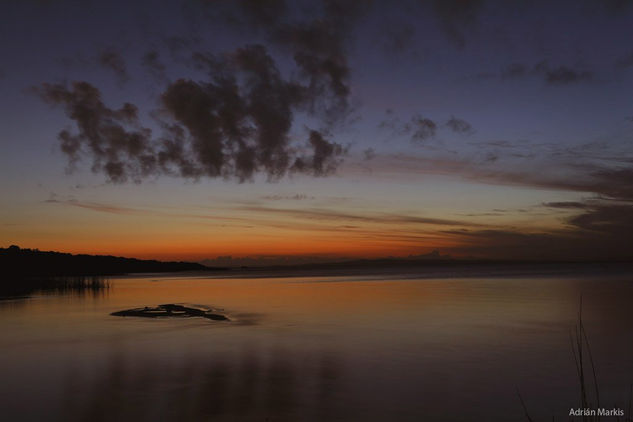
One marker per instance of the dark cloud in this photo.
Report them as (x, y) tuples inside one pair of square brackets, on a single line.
[(500, 144), (329, 215), (614, 183), (234, 132), (93, 206), (112, 60), (552, 75), (560, 75), (602, 181), (369, 154), (316, 40), (235, 124), (557, 171), (566, 205), (239, 127), (421, 128), (490, 157), (296, 197), (457, 17), (498, 212), (317, 52), (236, 121), (510, 244), (612, 221), (563, 75), (325, 158), (599, 228), (459, 125), (152, 63), (600, 234), (392, 122), (117, 144)]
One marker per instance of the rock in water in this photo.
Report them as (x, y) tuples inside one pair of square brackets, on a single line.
[(171, 310)]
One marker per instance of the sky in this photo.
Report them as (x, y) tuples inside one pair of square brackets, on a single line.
[(272, 131)]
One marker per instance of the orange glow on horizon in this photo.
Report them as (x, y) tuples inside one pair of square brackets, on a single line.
[(289, 246)]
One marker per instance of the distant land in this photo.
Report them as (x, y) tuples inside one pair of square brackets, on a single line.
[(311, 261), (431, 259), (18, 262), (429, 265)]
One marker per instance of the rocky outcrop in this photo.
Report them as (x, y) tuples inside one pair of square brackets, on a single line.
[(173, 311)]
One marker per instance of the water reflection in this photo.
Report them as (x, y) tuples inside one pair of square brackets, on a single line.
[(249, 386), (13, 288), (433, 349)]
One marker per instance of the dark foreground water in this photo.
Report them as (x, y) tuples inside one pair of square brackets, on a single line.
[(385, 348)]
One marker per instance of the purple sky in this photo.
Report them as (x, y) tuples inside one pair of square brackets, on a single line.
[(318, 129)]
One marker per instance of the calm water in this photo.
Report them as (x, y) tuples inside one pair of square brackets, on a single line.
[(316, 348)]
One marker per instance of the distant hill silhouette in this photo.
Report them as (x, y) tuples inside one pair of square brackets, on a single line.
[(15, 261), (286, 261)]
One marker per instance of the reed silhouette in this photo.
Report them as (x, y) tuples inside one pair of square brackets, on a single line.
[(589, 397), (26, 286)]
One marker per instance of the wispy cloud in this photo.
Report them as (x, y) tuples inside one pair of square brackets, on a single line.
[(553, 75), (112, 60), (383, 218), (295, 197), (600, 232), (95, 206), (420, 128)]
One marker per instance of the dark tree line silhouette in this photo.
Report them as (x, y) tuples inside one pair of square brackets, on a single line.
[(15, 261)]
